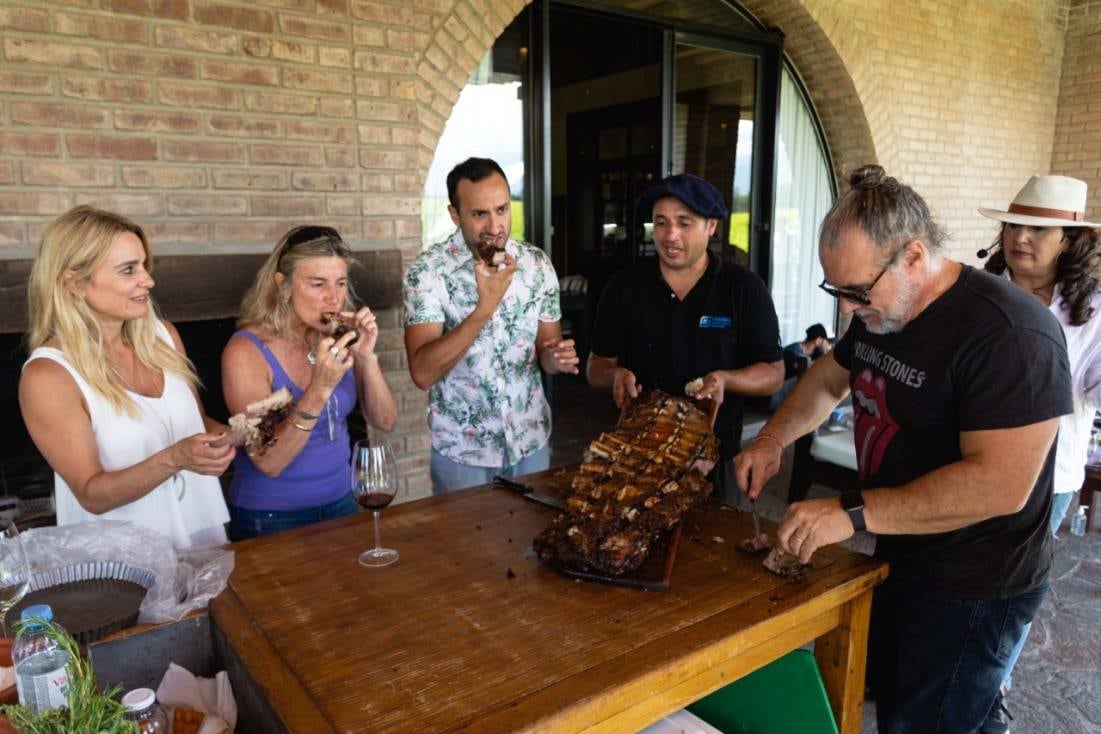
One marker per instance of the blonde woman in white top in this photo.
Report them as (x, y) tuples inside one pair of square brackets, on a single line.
[(108, 394)]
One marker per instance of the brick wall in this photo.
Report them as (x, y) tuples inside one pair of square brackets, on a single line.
[(957, 98), (1077, 150), (219, 123)]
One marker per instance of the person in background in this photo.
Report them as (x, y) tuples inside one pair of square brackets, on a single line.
[(816, 343), (108, 394), (482, 316), (688, 314), (1045, 247), (958, 381), (814, 346), (305, 477)]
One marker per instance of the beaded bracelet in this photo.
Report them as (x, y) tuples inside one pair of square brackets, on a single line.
[(770, 437)]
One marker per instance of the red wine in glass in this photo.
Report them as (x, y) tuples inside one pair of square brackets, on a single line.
[(374, 485), (374, 500)]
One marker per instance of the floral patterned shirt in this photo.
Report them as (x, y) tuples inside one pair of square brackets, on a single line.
[(489, 410)]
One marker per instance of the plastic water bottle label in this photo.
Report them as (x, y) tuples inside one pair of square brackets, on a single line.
[(42, 680)]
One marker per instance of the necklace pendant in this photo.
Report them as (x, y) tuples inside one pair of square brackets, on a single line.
[(311, 356)]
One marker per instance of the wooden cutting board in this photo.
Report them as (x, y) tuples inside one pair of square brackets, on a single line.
[(654, 573)]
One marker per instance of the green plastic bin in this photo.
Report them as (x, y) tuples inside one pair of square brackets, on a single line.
[(784, 697)]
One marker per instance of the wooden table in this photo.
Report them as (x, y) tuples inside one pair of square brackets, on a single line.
[(469, 632)]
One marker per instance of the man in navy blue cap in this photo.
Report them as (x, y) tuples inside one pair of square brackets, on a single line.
[(690, 314)]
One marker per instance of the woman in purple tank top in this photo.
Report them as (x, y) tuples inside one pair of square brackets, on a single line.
[(285, 340)]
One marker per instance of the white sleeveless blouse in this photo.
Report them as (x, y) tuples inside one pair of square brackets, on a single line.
[(188, 507)]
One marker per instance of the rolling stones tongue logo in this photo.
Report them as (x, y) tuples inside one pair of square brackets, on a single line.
[(874, 426)]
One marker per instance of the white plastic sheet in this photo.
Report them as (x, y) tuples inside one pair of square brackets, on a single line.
[(185, 580)]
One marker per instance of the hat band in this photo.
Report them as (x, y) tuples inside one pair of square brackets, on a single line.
[(1039, 211)]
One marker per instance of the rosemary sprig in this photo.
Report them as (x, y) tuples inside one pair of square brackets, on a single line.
[(89, 711)]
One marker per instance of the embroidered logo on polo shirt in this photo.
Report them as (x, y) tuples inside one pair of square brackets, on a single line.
[(716, 322)]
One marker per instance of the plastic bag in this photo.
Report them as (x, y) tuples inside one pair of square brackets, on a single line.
[(185, 580)]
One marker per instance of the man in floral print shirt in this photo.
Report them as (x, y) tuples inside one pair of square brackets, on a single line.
[(477, 334)]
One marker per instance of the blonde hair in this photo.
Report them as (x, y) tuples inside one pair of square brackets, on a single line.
[(266, 307), (78, 242)]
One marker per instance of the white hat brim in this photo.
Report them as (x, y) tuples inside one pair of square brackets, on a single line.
[(1030, 221)]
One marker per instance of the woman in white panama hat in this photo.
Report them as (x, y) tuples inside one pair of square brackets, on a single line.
[(1046, 246)]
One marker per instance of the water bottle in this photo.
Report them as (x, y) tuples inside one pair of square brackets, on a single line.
[(1078, 522), (142, 708), (41, 672)]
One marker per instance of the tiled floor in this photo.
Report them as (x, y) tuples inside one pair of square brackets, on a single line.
[(1057, 684)]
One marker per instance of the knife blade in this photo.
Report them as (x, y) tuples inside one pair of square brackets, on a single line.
[(756, 520), (530, 492)]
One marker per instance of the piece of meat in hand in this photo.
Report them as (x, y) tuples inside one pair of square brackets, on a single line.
[(490, 253), (339, 326), (255, 428)]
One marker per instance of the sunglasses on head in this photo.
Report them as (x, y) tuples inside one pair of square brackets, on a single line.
[(309, 234)]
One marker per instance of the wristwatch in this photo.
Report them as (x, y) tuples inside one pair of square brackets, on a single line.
[(853, 503)]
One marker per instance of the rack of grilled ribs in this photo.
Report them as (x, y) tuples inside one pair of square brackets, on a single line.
[(637, 483)]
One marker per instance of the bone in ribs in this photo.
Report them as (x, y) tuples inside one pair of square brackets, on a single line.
[(638, 482)]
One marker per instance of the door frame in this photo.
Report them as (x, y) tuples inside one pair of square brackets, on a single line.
[(766, 46)]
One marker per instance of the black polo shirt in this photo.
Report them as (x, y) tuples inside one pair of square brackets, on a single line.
[(727, 321)]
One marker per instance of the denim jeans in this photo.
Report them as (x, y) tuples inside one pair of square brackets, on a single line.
[(246, 523), (448, 475), (1060, 503), (936, 659)]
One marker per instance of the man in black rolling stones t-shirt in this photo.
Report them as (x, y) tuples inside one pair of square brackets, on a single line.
[(688, 315), (958, 381)]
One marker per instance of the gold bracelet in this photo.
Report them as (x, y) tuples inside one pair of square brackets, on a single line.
[(299, 426), (307, 416)]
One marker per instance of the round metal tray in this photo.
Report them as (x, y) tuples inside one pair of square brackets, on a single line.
[(90, 600)]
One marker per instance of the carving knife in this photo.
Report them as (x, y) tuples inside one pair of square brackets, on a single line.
[(756, 521), (530, 492)]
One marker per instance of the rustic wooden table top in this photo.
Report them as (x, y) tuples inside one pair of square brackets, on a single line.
[(469, 631)]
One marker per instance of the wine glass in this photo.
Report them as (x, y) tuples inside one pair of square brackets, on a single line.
[(374, 484), (14, 571)]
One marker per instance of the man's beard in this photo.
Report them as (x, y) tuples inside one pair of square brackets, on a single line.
[(897, 316)]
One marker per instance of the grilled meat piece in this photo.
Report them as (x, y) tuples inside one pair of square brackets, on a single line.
[(784, 564), (637, 483), (255, 428), (339, 326), (755, 544)]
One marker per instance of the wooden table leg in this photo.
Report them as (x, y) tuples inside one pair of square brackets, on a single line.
[(1087, 493), (842, 656)]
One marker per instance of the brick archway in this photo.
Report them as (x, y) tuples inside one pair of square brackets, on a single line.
[(838, 79)]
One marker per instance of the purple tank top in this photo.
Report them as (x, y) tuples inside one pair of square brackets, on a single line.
[(321, 473)]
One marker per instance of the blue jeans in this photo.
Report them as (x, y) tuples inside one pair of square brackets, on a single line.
[(448, 475), (936, 659), (246, 523), (1060, 501)]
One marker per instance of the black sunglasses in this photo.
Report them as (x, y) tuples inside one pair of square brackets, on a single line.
[(860, 296), (309, 234)]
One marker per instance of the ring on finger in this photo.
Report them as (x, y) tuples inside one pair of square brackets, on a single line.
[(334, 350)]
